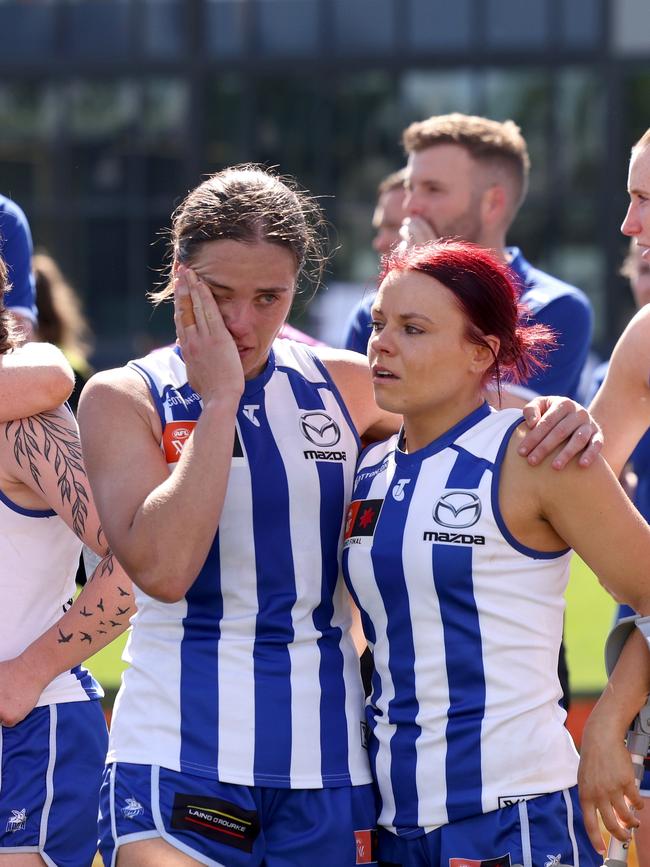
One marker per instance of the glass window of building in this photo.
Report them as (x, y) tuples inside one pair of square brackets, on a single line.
[(227, 108), (164, 29), (102, 29), (581, 23), (439, 25), (424, 93), (364, 26), (227, 24), (514, 25), (288, 28), (27, 30), (631, 26)]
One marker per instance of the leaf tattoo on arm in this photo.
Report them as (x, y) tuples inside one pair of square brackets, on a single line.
[(60, 448)]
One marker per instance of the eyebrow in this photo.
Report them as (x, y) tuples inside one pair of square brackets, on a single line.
[(214, 284), (404, 316)]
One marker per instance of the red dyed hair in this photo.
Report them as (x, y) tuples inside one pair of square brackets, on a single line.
[(486, 292)]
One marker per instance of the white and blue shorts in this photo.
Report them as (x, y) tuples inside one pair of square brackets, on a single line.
[(227, 825), (541, 832), (51, 767)]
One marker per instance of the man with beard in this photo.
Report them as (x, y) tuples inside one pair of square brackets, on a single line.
[(466, 178)]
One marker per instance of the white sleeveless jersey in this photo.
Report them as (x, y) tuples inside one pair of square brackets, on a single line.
[(465, 624), (39, 555), (253, 678)]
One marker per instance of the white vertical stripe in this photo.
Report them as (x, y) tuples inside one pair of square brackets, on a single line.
[(236, 669), (431, 685), (49, 778), (151, 686), (112, 808), (570, 828), (527, 855)]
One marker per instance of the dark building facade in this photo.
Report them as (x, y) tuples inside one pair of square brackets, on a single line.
[(111, 109)]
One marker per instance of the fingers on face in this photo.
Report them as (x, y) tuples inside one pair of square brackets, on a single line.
[(202, 305)]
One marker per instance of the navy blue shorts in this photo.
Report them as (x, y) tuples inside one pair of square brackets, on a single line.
[(229, 825), (541, 832), (50, 774)]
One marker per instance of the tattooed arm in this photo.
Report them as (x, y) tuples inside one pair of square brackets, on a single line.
[(99, 614), (33, 379), (41, 466)]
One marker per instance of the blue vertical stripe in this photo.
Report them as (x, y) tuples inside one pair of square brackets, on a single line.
[(199, 666), (452, 575), (276, 596), (333, 502), (403, 708)]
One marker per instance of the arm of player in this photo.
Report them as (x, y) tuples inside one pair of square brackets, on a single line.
[(606, 776), (590, 512), (161, 525), (43, 453), (98, 615), (34, 378), (622, 403)]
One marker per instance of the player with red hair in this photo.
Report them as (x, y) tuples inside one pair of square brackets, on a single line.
[(457, 552)]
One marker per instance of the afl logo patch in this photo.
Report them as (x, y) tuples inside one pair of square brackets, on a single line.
[(320, 429), (457, 509), (175, 436)]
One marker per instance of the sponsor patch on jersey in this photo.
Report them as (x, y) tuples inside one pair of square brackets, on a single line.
[(457, 509), (362, 518), (175, 436), (503, 861), (320, 455), (452, 538), (320, 429), (366, 846), (216, 819)]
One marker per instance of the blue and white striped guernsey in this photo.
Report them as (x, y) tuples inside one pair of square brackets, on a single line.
[(253, 678), (465, 624)]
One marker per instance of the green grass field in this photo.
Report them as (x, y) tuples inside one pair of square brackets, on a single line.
[(588, 619)]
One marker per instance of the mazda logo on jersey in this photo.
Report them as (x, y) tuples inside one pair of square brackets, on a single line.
[(457, 509), (320, 429)]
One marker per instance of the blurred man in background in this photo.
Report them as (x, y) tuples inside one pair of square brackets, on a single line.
[(16, 250), (467, 177), (386, 222)]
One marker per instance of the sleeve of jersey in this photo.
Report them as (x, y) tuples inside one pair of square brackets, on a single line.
[(571, 319), (357, 331), (16, 249)]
